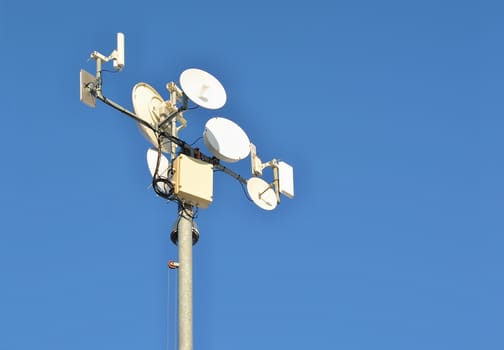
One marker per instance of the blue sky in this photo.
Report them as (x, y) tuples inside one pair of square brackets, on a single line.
[(390, 112)]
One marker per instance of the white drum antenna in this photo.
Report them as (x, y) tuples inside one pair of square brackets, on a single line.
[(117, 55)]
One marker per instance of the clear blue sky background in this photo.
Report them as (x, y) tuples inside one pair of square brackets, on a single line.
[(391, 113)]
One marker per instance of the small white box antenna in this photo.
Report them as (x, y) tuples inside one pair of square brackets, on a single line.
[(286, 179)]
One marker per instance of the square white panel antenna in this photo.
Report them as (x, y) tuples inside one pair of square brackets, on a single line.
[(286, 179), (86, 96)]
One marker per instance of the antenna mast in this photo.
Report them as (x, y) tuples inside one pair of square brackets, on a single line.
[(188, 177), (185, 243)]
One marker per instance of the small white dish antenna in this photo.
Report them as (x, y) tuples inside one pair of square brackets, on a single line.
[(226, 140), (164, 164), (147, 103), (163, 169), (203, 88), (261, 193)]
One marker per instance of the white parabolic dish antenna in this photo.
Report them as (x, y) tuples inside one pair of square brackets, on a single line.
[(226, 140), (164, 166), (146, 102), (203, 88), (261, 193)]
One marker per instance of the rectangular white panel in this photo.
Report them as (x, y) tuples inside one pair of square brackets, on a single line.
[(286, 179), (85, 96)]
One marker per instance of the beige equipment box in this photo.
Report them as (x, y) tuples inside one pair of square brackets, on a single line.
[(193, 181)]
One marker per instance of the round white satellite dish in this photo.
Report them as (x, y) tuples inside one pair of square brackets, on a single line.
[(203, 88), (146, 103), (261, 193), (226, 140), (163, 169), (164, 164)]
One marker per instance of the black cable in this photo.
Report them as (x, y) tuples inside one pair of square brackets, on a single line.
[(236, 176), (172, 115), (246, 192), (125, 111), (98, 94), (185, 148), (199, 138), (171, 138), (188, 214), (241, 183), (162, 192), (156, 179)]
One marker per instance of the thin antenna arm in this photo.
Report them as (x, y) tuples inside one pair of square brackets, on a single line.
[(231, 173), (98, 56)]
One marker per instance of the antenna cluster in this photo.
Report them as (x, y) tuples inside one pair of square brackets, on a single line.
[(188, 175)]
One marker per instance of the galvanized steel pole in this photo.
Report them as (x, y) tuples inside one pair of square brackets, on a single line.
[(185, 243)]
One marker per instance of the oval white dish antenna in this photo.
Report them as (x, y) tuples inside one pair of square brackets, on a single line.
[(163, 169), (147, 103), (226, 140), (164, 164), (261, 193), (203, 88)]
